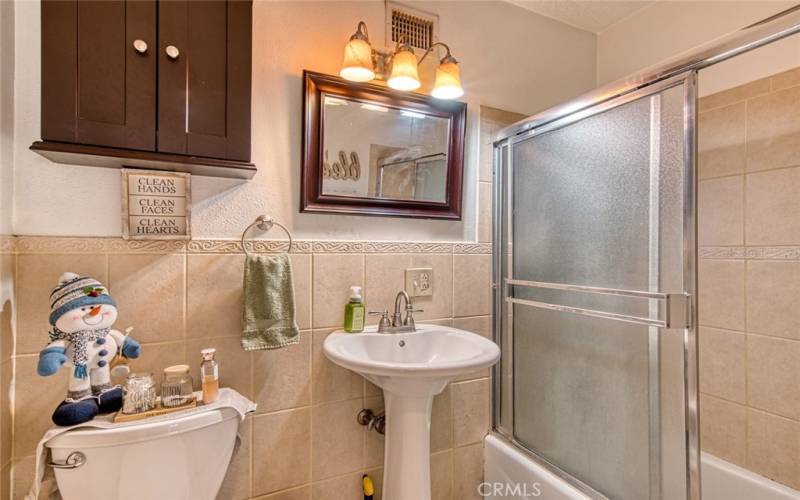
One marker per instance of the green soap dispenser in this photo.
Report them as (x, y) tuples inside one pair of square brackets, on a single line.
[(354, 312)]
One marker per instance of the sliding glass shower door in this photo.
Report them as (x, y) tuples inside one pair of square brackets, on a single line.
[(595, 283)]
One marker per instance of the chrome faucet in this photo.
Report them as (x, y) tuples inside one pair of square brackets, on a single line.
[(398, 324), (397, 317)]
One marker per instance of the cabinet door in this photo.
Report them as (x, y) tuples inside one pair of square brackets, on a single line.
[(204, 78), (97, 88)]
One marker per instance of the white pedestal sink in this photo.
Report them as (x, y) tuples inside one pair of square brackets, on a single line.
[(411, 368)]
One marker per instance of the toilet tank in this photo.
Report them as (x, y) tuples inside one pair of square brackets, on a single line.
[(173, 459)]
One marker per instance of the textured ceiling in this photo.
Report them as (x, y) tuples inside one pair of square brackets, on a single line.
[(594, 16)]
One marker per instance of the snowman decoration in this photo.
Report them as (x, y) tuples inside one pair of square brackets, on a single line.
[(81, 315)]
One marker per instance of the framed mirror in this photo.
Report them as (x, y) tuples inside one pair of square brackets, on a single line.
[(371, 150)]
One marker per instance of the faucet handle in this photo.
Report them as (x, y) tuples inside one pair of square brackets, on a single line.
[(409, 321), (383, 323)]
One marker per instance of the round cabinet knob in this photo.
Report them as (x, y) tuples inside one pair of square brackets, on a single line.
[(172, 52), (140, 46)]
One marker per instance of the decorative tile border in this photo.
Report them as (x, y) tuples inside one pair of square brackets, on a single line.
[(756, 253), (7, 243), (256, 246), (382, 247), (59, 244), (472, 248), (720, 252)]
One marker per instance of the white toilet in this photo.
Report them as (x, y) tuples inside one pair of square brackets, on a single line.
[(173, 459)]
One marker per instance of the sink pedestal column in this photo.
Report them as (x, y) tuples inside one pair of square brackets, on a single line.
[(411, 368), (407, 457)]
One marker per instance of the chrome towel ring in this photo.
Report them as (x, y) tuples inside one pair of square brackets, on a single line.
[(265, 223)]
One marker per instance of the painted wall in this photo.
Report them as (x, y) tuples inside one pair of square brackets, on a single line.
[(507, 60), (7, 308), (6, 115), (667, 29)]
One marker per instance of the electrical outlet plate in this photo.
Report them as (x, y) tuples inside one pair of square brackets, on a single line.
[(419, 282)]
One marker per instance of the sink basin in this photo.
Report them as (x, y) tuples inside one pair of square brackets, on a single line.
[(411, 368), (431, 351)]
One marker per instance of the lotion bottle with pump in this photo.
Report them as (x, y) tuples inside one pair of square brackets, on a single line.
[(209, 376), (354, 312)]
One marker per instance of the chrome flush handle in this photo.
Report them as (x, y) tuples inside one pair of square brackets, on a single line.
[(73, 461)]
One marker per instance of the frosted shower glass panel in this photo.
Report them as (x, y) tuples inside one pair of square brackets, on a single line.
[(599, 203), (581, 201), (581, 397)]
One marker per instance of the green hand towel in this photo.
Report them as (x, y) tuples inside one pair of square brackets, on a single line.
[(268, 312)]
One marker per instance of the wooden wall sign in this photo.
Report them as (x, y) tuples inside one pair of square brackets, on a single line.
[(156, 205)]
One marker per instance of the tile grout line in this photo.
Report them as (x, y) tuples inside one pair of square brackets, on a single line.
[(747, 407)]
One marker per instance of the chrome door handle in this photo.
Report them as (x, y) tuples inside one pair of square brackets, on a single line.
[(677, 306), (73, 461)]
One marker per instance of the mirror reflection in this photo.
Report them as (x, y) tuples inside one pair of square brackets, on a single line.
[(374, 151)]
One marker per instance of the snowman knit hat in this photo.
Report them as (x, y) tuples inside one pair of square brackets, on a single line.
[(74, 291)]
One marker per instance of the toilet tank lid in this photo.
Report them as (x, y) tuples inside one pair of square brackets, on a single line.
[(111, 434)]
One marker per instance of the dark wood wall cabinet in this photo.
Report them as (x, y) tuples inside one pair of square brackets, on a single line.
[(145, 83)]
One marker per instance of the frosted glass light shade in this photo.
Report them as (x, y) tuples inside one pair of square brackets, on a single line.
[(404, 71), (448, 81), (357, 64)]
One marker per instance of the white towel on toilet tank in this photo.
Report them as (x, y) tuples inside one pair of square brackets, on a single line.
[(228, 398)]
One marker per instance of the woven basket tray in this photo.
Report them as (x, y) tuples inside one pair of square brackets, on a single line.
[(155, 412)]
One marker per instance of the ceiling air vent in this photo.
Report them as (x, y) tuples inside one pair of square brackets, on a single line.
[(418, 29)]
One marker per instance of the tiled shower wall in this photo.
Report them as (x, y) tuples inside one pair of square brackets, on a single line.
[(304, 441), (749, 275)]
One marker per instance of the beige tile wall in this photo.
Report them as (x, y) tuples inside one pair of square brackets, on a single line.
[(492, 121), (6, 361), (749, 275), (304, 441)]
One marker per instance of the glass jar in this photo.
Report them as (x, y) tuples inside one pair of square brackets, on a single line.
[(176, 388), (139, 393)]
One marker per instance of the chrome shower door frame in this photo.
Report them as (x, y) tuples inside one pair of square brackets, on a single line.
[(503, 253)]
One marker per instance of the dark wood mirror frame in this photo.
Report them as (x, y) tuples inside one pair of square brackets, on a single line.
[(311, 197)]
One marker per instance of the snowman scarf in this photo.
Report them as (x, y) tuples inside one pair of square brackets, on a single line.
[(80, 341)]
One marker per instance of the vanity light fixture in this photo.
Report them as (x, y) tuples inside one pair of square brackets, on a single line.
[(448, 78), (357, 65), (404, 75), (360, 61)]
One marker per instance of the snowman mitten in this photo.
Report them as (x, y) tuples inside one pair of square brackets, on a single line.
[(50, 360), (109, 400), (131, 349), (71, 412)]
